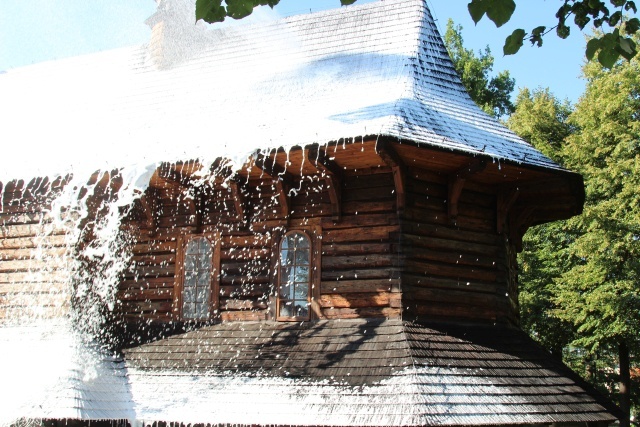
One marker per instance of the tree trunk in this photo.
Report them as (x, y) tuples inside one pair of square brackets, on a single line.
[(625, 384)]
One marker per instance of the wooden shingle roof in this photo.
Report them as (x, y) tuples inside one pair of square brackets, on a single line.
[(359, 372), (363, 70)]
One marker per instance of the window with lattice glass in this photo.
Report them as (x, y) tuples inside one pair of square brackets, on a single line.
[(294, 279), (196, 286)]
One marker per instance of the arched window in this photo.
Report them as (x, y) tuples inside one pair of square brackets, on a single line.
[(294, 277), (196, 286)]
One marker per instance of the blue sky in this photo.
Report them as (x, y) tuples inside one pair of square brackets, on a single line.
[(33, 31)]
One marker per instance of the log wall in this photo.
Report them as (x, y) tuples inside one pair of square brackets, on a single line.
[(455, 269), (33, 275), (358, 274)]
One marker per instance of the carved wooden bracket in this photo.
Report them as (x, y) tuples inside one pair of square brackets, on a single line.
[(283, 198), (269, 166), (506, 199), (391, 157), (333, 176), (238, 200), (151, 202), (519, 224), (456, 184)]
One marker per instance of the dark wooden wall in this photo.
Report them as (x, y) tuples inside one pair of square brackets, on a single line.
[(455, 269), (359, 273), (389, 241)]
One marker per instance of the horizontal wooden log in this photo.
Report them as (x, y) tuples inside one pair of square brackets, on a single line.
[(147, 283), (452, 312), (365, 273), (453, 271), (21, 277), (242, 304), (451, 233), (34, 253), (33, 287), (150, 271), (337, 249), (154, 247), (154, 317), (378, 206), (358, 300), (436, 217), (245, 241), (146, 306), (244, 315), (145, 294), (455, 246), (230, 280), (153, 259), (349, 262), (360, 234), (23, 218), (32, 265), (366, 194), (29, 230), (355, 313), (462, 297), (361, 220), (250, 289), (33, 242), (411, 280), (357, 182), (473, 260), (245, 254), (357, 286)]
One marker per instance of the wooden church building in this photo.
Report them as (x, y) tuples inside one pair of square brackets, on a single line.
[(322, 231)]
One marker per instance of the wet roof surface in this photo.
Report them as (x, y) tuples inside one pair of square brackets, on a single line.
[(359, 372), (372, 69)]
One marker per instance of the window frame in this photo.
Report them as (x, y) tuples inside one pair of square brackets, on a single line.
[(314, 236), (214, 290)]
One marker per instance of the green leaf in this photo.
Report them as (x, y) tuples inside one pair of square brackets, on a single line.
[(627, 48), (615, 18), (616, 3), (238, 9), (631, 5), (500, 11), (513, 43), (347, 2), (608, 57), (210, 10), (563, 31), (592, 47), (632, 26), (477, 9)]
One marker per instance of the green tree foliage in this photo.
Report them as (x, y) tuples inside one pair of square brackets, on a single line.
[(579, 282), (600, 294), (617, 28), (492, 94), (541, 119)]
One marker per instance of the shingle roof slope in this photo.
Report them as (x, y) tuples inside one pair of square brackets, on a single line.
[(360, 372), (371, 69)]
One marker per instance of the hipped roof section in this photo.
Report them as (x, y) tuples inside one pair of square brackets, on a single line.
[(357, 372), (363, 70)]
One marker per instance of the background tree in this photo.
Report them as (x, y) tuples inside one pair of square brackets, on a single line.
[(492, 94), (600, 294), (542, 120)]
